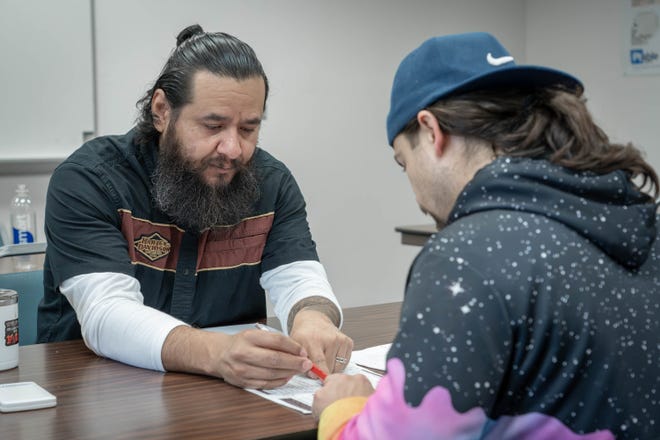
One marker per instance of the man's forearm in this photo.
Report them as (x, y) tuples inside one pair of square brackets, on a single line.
[(113, 320), (316, 303), (191, 350)]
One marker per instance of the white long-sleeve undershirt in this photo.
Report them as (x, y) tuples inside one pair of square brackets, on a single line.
[(116, 324)]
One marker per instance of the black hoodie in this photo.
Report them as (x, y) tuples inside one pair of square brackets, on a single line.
[(545, 285)]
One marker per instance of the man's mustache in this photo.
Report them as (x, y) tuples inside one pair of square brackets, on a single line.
[(221, 162)]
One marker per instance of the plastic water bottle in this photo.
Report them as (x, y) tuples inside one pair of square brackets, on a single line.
[(23, 226), (23, 217)]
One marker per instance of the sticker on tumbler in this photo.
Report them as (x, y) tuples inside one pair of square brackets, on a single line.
[(11, 332)]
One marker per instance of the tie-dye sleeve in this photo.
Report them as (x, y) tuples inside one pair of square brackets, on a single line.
[(335, 416), (386, 415)]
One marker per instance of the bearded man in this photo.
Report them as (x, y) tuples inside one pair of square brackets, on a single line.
[(184, 223)]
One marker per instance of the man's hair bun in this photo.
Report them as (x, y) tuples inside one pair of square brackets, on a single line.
[(188, 32)]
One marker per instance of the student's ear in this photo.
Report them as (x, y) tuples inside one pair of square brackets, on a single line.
[(430, 131), (160, 110)]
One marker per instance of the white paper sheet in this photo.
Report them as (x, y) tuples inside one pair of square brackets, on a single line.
[(236, 328), (298, 393), (372, 357)]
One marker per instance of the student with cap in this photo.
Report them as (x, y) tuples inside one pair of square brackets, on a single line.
[(534, 312)]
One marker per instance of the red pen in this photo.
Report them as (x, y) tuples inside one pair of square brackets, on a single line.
[(316, 370)]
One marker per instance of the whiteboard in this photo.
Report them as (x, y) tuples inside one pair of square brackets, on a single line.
[(46, 78)]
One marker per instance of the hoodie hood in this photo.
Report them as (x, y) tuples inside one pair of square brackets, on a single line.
[(606, 209)]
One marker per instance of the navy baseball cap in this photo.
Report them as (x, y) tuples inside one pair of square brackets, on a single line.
[(453, 64)]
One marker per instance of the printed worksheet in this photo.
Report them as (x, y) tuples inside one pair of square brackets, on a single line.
[(298, 393)]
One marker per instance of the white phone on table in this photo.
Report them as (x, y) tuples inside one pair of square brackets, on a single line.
[(23, 396)]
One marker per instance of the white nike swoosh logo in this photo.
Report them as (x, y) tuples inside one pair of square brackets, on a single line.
[(498, 61)]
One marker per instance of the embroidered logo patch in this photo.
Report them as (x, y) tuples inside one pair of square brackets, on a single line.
[(153, 246)]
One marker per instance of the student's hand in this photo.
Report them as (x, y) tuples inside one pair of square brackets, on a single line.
[(339, 386), (326, 346)]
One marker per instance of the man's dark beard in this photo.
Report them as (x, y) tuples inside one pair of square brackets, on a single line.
[(180, 190)]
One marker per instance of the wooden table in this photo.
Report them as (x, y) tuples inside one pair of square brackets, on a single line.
[(416, 235), (103, 399)]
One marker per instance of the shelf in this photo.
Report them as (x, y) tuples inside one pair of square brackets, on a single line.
[(12, 167), (416, 235)]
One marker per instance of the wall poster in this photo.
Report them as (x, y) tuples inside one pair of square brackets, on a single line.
[(642, 37)]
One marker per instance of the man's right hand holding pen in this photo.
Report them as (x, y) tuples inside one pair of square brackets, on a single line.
[(249, 359)]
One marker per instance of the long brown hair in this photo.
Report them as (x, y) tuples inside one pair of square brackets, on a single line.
[(551, 124)]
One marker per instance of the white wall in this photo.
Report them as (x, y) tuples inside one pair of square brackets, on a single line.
[(46, 77), (330, 65), (586, 38)]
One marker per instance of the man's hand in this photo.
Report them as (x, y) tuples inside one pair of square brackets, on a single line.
[(338, 386), (325, 345), (250, 359)]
